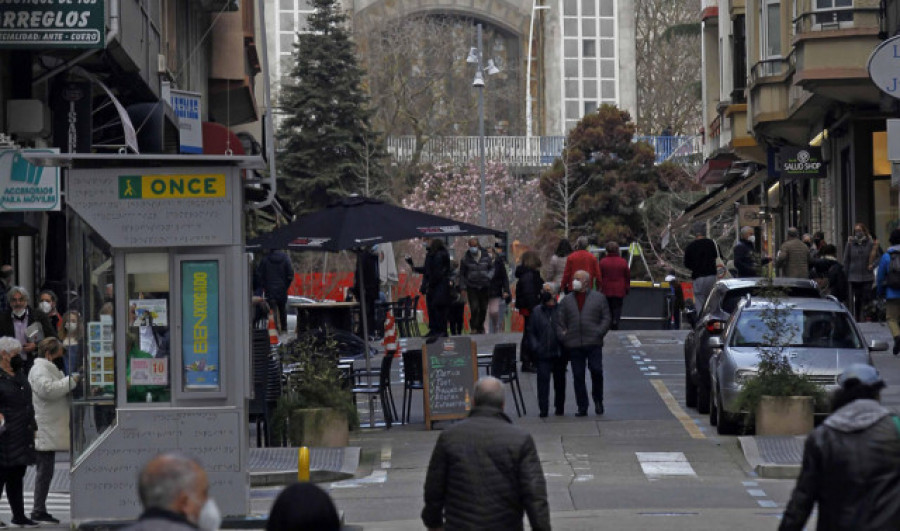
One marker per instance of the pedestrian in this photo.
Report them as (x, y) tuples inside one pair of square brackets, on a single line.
[(615, 281), (581, 260), (476, 269), (47, 303), (367, 261), (485, 472), (557, 265), (818, 241), (700, 257), (499, 295), (548, 352), (851, 462), (6, 279), (584, 320), (17, 437), (889, 286), (676, 295), (435, 286), (746, 261), (50, 390), (860, 257), (275, 276), (793, 257), (456, 313), (829, 274), (18, 321), (303, 506), (528, 292), (174, 492)]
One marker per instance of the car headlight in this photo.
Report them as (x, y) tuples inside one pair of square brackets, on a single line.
[(742, 376)]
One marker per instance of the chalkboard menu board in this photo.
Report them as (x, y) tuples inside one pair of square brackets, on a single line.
[(450, 370)]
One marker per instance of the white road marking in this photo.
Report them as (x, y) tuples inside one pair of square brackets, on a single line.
[(749, 483), (376, 477), (661, 464), (583, 478), (768, 504), (756, 493), (635, 342)]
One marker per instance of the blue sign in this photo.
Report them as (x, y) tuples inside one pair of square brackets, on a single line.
[(25, 187), (200, 323)]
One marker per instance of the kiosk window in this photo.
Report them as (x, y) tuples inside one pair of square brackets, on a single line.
[(147, 338)]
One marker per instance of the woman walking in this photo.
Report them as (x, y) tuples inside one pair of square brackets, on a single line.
[(17, 438), (528, 290), (557, 265), (499, 292), (859, 263), (615, 281)]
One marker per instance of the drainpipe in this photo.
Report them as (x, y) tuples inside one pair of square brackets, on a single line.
[(267, 118), (111, 35)]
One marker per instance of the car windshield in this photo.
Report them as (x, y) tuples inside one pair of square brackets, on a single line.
[(799, 328), (729, 302)]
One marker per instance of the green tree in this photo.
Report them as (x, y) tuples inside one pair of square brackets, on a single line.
[(327, 146)]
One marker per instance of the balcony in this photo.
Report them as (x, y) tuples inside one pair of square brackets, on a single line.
[(832, 48)]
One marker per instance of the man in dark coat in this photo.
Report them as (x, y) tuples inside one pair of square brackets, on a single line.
[(541, 334), (700, 257), (485, 472), (435, 286), (371, 283), (745, 259), (276, 275), (15, 322), (851, 463), (476, 269), (19, 427)]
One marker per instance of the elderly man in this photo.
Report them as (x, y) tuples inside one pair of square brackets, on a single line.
[(583, 321), (793, 257), (581, 259), (484, 472), (16, 321), (174, 492), (476, 269), (745, 259)]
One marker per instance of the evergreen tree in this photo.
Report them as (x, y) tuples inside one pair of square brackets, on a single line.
[(327, 147)]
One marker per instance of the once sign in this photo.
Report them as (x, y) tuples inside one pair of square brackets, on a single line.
[(171, 186)]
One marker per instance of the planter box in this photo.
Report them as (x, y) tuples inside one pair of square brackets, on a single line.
[(784, 415), (323, 427)]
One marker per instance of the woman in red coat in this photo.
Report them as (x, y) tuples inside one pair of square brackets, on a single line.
[(615, 280)]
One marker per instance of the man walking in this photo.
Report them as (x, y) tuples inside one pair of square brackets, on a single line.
[(888, 285), (485, 472), (581, 260), (700, 257), (851, 463), (476, 269), (276, 275), (745, 259), (793, 257), (584, 320), (541, 334)]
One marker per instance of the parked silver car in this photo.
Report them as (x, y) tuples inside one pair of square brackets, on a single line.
[(820, 340)]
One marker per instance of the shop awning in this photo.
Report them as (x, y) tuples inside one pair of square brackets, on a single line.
[(722, 198)]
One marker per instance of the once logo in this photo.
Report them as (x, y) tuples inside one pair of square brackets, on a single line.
[(171, 186)]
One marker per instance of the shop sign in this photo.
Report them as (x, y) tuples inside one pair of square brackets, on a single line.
[(883, 66), (25, 187), (52, 24), (800, 163), (171, 186), (200, 323), (190, 127)]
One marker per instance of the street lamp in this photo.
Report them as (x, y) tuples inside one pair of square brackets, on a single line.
[(528, 127), (475, 56)]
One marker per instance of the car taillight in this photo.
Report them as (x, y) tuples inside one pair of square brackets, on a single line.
[(715, 327)]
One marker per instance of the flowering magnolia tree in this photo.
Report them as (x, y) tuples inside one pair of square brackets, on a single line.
[(512, 204)]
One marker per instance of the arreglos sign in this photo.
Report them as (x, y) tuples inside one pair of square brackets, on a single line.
[(805, 162), (40, 24)]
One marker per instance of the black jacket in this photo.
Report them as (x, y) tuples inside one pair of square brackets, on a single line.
[(500, 280), (436, 276), (275, 275), (745, 260), (542, 332), (476, 274), (851, 469), (833, 272), (700, 257), (484, 474), (528, 287), (17, 440), (370, 276)]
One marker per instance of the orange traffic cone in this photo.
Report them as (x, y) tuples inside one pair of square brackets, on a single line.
[(390, 334), (273, 331)]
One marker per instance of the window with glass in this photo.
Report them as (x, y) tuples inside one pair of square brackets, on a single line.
[(770, 25), (833, 13), (147, 345)]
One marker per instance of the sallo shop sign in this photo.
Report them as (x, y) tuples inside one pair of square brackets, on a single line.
[(800, 163)]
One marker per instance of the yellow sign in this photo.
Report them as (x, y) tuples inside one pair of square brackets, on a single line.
[(188, 186)]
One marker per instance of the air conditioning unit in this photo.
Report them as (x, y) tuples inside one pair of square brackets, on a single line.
[(161, 64)]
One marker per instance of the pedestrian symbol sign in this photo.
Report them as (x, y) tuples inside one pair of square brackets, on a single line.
[(186, 186)]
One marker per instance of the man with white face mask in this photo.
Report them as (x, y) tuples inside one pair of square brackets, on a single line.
[(174, 491), (16, 321), (746, 260)]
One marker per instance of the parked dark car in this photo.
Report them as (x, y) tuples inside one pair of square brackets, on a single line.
[(819, 337), (722, 301)]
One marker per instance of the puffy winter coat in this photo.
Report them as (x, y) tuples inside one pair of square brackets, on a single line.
[(581, 260), (859, 260), (528, 288), (17, 440), (276, 274), (484, 474), (851, 469), (884, 266), (476, 272), (587, 326), (793, 259), (542, 332), (49, 390), (615, 276)]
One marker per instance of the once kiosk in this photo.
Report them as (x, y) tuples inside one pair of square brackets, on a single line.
[(157, 265)]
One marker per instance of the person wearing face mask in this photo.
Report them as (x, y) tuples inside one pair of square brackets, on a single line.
[(584, 320), (17, 437), (476, 270), (15, 323), (47, 304), (50, 389), (174, 491), (745, 259), (860, 257), (541, 333)]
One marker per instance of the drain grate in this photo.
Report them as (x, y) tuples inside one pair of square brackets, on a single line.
[(780, 450)]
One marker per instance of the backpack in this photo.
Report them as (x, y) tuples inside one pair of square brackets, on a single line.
[(893, 272)]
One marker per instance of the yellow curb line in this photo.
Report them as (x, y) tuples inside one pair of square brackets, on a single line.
[(685, 419)]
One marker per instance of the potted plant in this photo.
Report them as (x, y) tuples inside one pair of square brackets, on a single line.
[(778, 400), (316, 408)]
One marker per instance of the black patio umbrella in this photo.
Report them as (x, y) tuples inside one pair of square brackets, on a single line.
[(356, 222)]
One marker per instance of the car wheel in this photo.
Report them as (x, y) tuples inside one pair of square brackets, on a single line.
[(690, 391), (726, 424), (703, 396)]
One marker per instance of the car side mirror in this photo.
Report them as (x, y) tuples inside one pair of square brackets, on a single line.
[(715, 342), (877, 345)]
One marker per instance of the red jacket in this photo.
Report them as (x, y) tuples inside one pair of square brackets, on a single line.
[(578, 261), (616, 276)]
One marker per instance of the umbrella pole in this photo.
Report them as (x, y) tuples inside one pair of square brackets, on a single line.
[(365, 331)]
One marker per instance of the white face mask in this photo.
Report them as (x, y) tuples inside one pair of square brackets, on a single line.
[(210, 518), (473, 250), (752, 238), (44, 306), (577, 285), (71, 327), (19, 313)]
